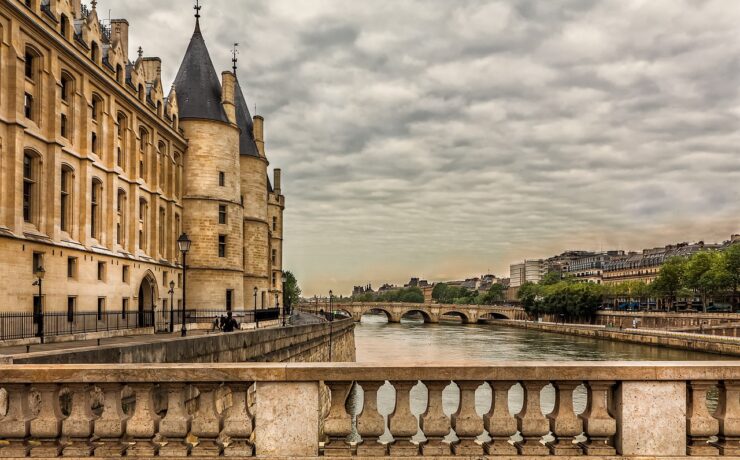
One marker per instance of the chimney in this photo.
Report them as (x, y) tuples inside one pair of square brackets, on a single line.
[(77, 8), (119, 33), (228, 82), (152, 68), (259, 134), (278, 181)]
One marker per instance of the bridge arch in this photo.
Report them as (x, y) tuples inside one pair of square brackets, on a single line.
[(424, 314), (377, 310), (462, 315), (494, 315)]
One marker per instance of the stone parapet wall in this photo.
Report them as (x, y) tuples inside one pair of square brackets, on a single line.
[(307, 343)]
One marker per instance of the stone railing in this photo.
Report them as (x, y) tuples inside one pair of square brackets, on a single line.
[(309, 410)]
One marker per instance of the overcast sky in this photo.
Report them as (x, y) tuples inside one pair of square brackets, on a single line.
[(447, 138)]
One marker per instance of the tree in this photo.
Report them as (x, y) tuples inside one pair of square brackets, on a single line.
[(528, 294), (669, 280), (292, 292), (732, 264), (439, 292), (694, 276), (551, 277), (495, 294)]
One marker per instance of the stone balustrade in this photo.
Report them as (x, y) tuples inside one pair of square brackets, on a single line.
[(670, 410)]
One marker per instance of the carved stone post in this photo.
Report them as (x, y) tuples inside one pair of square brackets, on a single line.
[(728, 415), (142, 426), (402, 423), (700, 425), (564, 424), (206, 423), (599, 425), (175, 425), (14, 427), (47, 426), (111, 426), (78, 427), (338, 423), (499, 423), (467, 423), (435, 424), (370, 424), (238, 422), (532, 424)]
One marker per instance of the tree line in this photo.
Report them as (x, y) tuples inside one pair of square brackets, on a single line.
[(405, 295), (446, 294)]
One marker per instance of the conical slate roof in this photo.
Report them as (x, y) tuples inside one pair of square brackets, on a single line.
[(247, 146), (197, 85)]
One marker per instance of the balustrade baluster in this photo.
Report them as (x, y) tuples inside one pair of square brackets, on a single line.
[(435, 424), (467, 423), (499, 423), (370, 424), (14, 427), (175, 425), (143, 425), (598, 423), (111, 426), (700, 425), (338, 423), (402, 423), (564, 424), (206, 424), (238, 422), (532, 424), (47, 426), (728, 415), (78, 427)]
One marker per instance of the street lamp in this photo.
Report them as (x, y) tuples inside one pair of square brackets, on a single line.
[(256, 323), (39, 310), (183, 243), (286, 304), (172, 306), (331, 321)]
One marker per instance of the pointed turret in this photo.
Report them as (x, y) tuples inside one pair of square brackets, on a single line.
[(247, 145), (197, 83)]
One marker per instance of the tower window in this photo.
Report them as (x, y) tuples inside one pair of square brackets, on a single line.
[(221, 214), (221, 179), (222, 246), (66, 198), (30, 174)]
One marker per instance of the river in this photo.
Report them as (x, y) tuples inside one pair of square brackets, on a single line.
[(415, 342)]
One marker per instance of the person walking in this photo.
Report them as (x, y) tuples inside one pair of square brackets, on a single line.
[(230, 325)]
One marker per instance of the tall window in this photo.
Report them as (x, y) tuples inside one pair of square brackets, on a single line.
[(222, 214), (119, 74), (274, 224), (64, 26), (30, 64), (121, 121), (160, 236), (95, 52), (63, 126), (274, 257), (30, 186), (66, 198), (143, 224), (163, 161), (143, 141), (141, 92), (66, 88), (28, 106), (96, 108), (121, 213), (94, 143), (221, 179), (222, 245), (95, 208)]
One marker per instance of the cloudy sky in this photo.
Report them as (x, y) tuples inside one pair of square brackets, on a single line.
[(447, 138)]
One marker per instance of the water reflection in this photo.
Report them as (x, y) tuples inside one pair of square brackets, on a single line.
[(412, 341)]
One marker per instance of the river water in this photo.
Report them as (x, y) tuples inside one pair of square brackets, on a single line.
[(415, 342)]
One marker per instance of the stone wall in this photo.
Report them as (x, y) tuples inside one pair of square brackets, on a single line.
[(307, 343)]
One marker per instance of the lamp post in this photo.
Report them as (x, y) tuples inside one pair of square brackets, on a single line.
[(172, 306), (183, 243), (331, 321), (39, 312), (286, 309), (256, 323)]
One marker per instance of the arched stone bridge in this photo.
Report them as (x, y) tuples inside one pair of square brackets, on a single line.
[(470, 314)]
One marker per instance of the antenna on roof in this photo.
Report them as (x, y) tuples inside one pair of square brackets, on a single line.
[(197, 8), (234, 59)]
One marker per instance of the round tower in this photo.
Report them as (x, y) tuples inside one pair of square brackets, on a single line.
[(212, 207)]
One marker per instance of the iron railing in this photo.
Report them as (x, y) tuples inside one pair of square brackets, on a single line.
[(26, 325)]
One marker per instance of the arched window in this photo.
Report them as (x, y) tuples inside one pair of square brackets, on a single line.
[(67, 88), (119, 74), (178, 176), (143, 235), (143, 141), (121, 124), (96, 203), (94, 143), (121, 215), (32, 64), (96, 109), (162, 147), (66, 198), (64, 26), (95, 52), (31, 174), (161, 243)]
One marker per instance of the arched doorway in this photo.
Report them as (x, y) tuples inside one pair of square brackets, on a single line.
[(147, 294)]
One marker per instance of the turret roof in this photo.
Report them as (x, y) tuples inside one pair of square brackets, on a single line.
[(197, 84), (247, 145)]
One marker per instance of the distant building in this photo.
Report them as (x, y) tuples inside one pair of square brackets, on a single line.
[(360, 290), (589, 268), (416, 282), (530, 271)]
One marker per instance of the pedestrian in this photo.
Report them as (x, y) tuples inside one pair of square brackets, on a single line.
[(222, 322), (215, 324), (230, 325)]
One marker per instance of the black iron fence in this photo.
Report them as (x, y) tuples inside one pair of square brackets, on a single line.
[(26, 325)]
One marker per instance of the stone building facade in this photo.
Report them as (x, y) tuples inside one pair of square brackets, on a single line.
[(101, 170)]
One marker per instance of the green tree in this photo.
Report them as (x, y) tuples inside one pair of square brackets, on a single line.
[(551, 277), (697, 277), (669, 281), (439, 292), (292, 293), (732, 264), (496, 293), (529, 296)]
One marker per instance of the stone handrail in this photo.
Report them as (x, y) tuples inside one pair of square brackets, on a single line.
[(300, 410)]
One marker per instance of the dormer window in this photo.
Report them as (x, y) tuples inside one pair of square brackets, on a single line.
[(64, 25), (95, 52)]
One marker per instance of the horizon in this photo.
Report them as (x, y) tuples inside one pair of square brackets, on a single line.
[(410, 153)]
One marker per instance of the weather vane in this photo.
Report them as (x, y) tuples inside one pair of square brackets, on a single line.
[(197, 8), (234, 53)]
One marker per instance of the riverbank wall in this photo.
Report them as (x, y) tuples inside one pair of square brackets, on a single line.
[(319, 342), (683, 341)]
